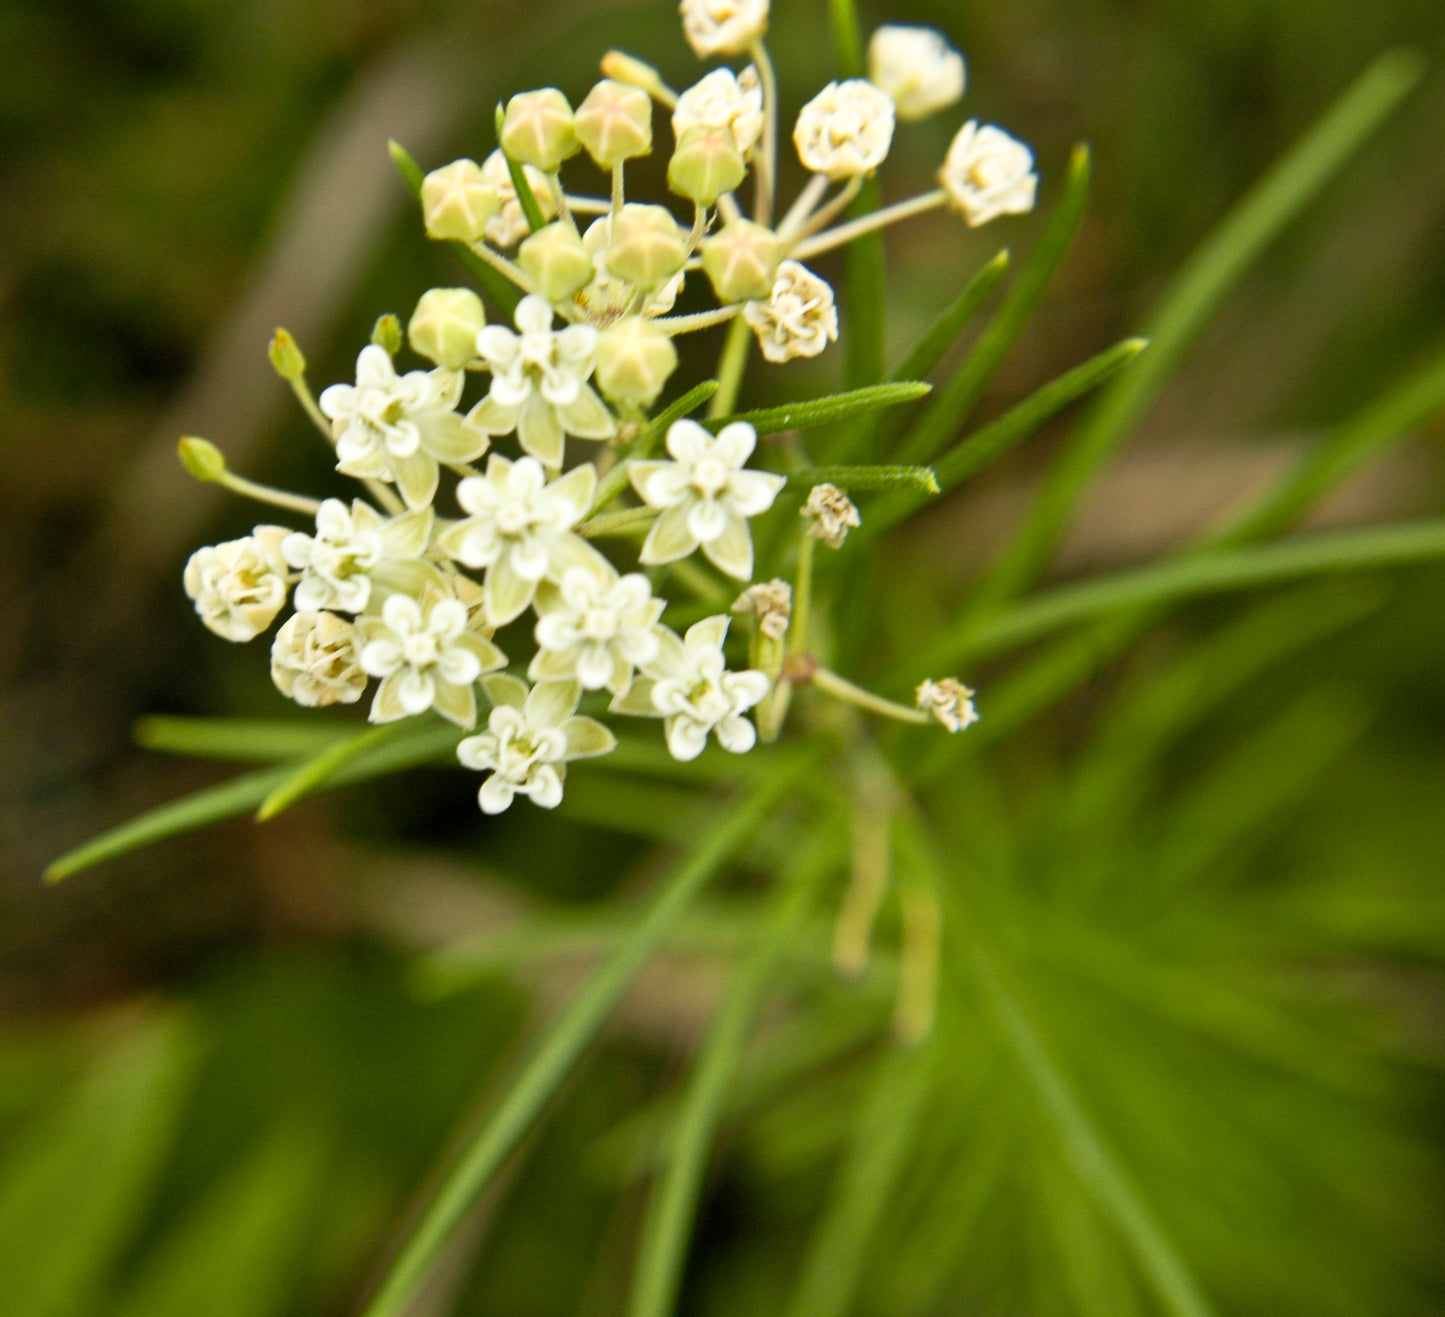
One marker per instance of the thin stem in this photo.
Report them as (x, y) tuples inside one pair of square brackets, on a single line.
[(510, 269), (802, 209), (302, 390), (728, 207), (835, 207), (267, 494), (559, 198), (767, 167), (688, 324), (699, 227), (618, 191), (845, 233), (802, 595), (843, 689), (733, 363), (589, 205)]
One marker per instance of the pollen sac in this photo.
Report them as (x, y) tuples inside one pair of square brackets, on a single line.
[(742, 260), (634, 360), (539, 129), (444, 326), (556, 261), (706, 164), (458, 200), (647, 248), (614, 123)]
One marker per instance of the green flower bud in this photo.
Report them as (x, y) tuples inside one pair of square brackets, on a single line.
[(539, 129), (742, 260), (614, 123), (457, 201), (444, 326), (706, 164), (621, 67), (645, 247), (634, 360), (386, 333), (201, 458), (286, 356), (556, 261)]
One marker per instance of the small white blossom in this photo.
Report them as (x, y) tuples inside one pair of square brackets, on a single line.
[(595, 627), (800, 317), (706, 496), (240, 585), (988, 173), (917, 67), (509, 225), (539, 383), (314, 660), (771, 602), (833, 514), (723, 99), (520, 530), (399, 427), (427, 657), (607, 298), (723, 27), (950, 702), (530, 737), (689, 687), (354, 548), (845, 130)]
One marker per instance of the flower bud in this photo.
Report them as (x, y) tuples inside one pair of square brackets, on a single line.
[(457, 200), (444, 326), (286, 356), (917, 67), (723, 27), (386, 334), (988, 174), (706, 164), (742, 259), (634, 360), (614, 123), (646, 247), (556, 261), (539, 129), (201, 458), (621, 67)]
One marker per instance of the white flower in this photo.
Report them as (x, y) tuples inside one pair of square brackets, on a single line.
[(917, 67), (723, 27), (845, 130), (689, 686), (426, 656), (314, 660), (771, 602), (595, 627), (239, 586), (509, 225), (950, 702), (800, 317), (834, 514), (399, 427), (539, 383), (520, 530), (988, 174), (723, 99), (706, 496), (606, 297), (354, 548), (530, 737)]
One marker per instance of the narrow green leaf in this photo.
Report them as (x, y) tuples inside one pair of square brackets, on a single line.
[(502, 292), (557, 1053), (814, 412), (321, 768), (919, 479), (261, 740), (847, 37), (959, 396), (1240, 240), (526, 198), (616, 479), (667, 1228)]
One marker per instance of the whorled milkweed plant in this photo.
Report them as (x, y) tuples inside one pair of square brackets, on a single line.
[(553, 536)]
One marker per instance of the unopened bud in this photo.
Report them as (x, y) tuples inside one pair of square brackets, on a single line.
[(201, 458), (556, 262), (539, 129), (386, 334), (614, 123), (742, 259), (444, 326), (646, 247), (706, 164), (632, 71), (286, 356), (458, 200), (634, 360)]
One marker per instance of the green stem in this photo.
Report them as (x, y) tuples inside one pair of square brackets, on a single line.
[(733, 363), (843, 689), (802, 595), (767, 160)]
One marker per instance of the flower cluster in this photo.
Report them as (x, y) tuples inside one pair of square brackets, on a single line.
[(396, 587)]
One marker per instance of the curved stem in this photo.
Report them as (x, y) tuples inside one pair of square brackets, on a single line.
[(879, 219), (767, 167)]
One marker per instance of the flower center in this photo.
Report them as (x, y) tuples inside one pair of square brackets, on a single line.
[(420, 649), (710, 476), (599, 624), (513, 518)]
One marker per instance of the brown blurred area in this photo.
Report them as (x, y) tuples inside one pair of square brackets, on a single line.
[(180, 177)]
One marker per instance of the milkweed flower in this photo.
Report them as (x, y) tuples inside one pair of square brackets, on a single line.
[(354, 547), (988, 173), (845, 130), (595, 626), (833, 514), (723, 27), (706, 496), (314, 660), (917, 67), (771, 602), (239, 586), (530, 738), (949, 701), (509, 225), (800, 317), (723, 99)]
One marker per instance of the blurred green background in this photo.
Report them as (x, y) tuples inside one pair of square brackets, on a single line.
[(219, 1089)]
